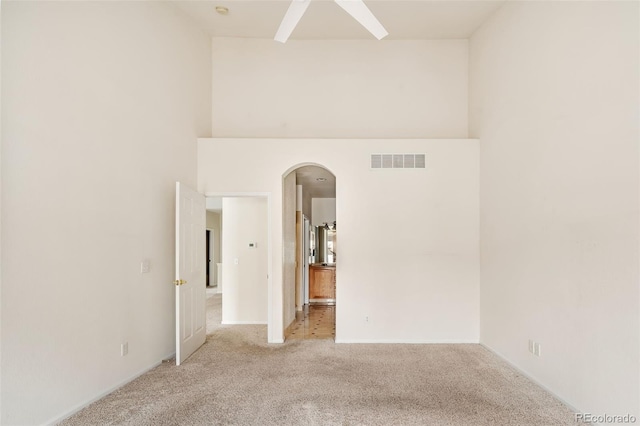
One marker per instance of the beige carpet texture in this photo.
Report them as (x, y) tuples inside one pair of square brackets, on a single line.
[(236, 378)]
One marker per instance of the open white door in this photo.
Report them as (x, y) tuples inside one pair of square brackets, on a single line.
[(190, 284)]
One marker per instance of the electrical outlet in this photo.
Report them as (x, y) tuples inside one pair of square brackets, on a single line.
[(236, 261), (366, 319), (536, 349), (124, 349), (145, 266)]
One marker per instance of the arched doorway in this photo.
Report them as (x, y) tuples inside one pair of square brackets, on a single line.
[(309, 252)]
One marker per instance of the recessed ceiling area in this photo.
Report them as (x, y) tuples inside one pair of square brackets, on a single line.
[(324, 19), (316, 181)]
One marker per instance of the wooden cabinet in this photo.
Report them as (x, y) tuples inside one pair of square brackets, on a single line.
[(322, 283)]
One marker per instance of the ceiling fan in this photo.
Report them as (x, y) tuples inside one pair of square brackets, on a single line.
[(356, 8)]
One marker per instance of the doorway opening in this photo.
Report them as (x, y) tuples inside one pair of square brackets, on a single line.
[(310, 252), (214, 263), (239, 252), (212, 243)]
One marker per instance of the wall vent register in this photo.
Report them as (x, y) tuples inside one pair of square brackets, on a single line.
[(398, 161)]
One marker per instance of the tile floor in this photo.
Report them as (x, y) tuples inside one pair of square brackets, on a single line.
[(314, 322)]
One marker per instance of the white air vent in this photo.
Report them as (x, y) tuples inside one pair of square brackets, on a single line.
[(398, 161)]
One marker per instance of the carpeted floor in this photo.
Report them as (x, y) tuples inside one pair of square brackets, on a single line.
[(237, 379), (214, 309)]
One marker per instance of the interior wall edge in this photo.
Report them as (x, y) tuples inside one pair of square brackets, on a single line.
[(530, 377)]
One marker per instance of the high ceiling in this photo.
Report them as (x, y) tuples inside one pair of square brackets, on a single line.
[(412, 19), (403, 19)]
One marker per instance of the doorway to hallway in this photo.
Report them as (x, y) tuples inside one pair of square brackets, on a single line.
[(240, 294), (310, 252)]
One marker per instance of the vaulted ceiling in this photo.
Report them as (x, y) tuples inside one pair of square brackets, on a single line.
[(403, 19), (413, 19)]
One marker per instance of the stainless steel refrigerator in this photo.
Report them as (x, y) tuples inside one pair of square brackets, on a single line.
[(323, 245)]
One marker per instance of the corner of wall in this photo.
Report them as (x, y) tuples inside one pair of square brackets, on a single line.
[(560, 194)]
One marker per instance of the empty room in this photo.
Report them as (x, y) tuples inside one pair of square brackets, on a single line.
[(429, 212)]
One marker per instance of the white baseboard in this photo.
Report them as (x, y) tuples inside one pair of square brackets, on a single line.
[(533, 379), (407, 341), (101, 395), (243, 323)]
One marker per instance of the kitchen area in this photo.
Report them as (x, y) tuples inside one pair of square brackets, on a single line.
[(322, 264)]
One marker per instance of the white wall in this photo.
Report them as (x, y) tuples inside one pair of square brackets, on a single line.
[(288, 266), (214, 223), (554, 101), (299, 198), (427, 252), (306, 204), (299, 249), (245, 283), (1, 118), (324, 211), (101, 106), (340, 88)]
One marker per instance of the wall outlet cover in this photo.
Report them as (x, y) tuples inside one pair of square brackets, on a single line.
[(536, 349)]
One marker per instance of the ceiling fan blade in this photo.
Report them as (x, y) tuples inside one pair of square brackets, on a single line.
[(362, 14), (291, 19)]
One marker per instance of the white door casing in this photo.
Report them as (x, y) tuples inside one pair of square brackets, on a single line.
[(190, 271)]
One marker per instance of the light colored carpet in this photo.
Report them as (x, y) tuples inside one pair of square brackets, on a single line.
[(237, 379), (214, 309)]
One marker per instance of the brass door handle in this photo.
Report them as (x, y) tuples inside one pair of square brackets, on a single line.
[(180, 282)]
